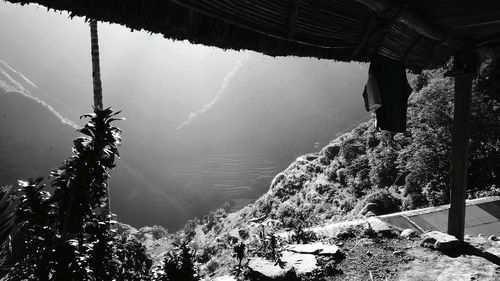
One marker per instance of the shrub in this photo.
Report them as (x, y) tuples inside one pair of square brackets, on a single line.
[(331, 151), (178, 264), (382, 202), (414, 201), (347, 205), (158, 231)]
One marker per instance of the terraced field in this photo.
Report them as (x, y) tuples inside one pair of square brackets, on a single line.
[(234, 177)]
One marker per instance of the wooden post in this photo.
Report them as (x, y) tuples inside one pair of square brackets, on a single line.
[(459, 158)]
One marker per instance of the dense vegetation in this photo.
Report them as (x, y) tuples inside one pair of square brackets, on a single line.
[(395, 171), (65, 235)]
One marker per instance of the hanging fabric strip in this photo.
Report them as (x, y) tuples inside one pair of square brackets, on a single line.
[(389, 81), (371, 94)]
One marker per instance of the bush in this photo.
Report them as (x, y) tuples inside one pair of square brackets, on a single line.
[(383, 202), (178, 264), (331, 151), (347, 205)]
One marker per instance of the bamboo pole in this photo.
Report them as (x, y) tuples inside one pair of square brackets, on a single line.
[(96, 69)]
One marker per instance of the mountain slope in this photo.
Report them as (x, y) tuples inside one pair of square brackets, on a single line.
[(367, 171)]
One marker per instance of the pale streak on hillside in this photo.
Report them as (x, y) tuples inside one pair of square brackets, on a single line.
[(220, 92), (18, 73), (10, 84)]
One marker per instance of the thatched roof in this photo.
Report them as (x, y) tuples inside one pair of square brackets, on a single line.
[(421, 33)]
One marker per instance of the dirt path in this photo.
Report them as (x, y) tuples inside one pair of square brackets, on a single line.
[(479, 261)]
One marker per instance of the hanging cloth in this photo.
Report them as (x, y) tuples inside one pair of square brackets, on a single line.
[(387, 91), (371, 94)]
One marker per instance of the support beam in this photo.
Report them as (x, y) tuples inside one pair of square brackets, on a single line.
[(414, 22), (459, 158)]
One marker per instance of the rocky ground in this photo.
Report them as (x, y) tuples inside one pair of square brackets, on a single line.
[(365, 253)]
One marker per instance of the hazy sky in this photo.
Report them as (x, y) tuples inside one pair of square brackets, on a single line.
[(185, 104), (54, 52)]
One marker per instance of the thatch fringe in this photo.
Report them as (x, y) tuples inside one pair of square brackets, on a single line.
[(342, 30)]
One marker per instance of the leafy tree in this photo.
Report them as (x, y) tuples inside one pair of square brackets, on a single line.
[(66, 235), (426, 159)]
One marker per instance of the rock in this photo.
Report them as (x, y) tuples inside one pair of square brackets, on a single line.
[(225, 278), (299, 263), (344, 233), (243, 233), (408, 233), (366, 242), (439, 241), (398, 253), (493, 238), (379, 226), (267, 269), (302, 263), (317, 249), (311, 157), (237, 235), (234, 236), (369, 214), (314, 248)]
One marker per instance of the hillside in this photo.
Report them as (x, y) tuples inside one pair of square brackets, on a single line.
[(23, 139), (361, 173), (396, 171)]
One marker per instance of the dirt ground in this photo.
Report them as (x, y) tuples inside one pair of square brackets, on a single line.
[(477, 260), (372, 259), (405, 260)]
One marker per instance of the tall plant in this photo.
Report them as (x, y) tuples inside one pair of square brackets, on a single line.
[(97, 87), (66, 238), (81, 182)]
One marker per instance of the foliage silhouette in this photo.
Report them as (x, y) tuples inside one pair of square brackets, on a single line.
[(66, 236), (179, 265), (7, 210)]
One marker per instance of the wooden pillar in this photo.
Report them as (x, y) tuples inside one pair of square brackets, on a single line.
[(459, 158)]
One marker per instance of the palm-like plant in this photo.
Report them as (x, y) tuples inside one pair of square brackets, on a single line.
[(81, 181), (97, 86)]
